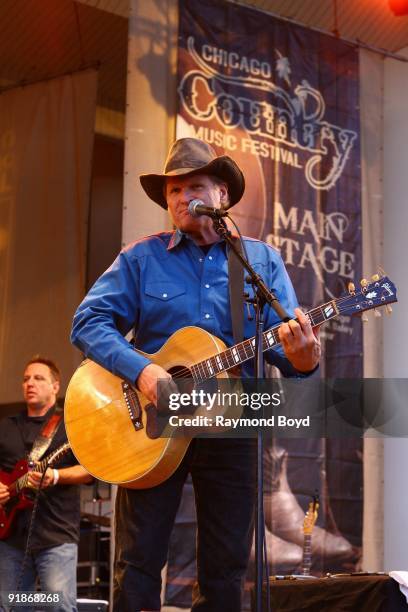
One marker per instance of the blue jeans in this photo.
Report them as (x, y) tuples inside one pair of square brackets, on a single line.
[(223, 474), (55, 567)]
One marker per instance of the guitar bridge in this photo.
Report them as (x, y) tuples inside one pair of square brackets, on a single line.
[(133, 405)]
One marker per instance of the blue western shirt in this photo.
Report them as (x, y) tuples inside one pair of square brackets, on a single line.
[(162, 283)]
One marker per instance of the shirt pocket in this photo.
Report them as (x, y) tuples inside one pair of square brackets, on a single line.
[(165, 291), (165, 308)]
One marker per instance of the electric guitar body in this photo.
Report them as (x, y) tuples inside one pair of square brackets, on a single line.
[(21, 495), (16, 503)]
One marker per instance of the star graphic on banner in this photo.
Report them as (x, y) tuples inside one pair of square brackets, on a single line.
[(283, 67)]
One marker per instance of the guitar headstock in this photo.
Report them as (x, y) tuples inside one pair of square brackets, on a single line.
[(379, 292), (311, 516)]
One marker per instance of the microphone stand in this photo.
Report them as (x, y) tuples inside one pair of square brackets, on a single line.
[(263, 296)]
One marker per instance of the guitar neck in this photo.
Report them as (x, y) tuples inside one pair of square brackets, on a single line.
[(21, 482), (381, 292), (40, 466), (307, 554), (243, 351)]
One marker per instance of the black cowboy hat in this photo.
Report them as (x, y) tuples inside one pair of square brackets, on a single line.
[(190, 156)]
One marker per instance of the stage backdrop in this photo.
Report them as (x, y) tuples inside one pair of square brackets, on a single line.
[(46, 141), (283, 101)]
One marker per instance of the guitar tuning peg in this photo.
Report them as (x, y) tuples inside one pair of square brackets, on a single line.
[(388, 309), (375, 277), (351, 288), (364, 317), (377, 313), (364, 282)]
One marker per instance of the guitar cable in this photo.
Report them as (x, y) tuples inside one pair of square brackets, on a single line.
[(266, 566), (30, 531)]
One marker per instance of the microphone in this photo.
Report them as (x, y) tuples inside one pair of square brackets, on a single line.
[(197, 208)]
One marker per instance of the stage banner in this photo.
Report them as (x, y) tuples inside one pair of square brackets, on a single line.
[(283, 102)]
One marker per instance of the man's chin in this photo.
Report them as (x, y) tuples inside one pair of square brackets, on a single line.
[(33, 404), (189, 224)]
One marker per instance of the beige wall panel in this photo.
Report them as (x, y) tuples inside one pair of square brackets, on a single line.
[(396, 331), (371, 114), (150, 114)]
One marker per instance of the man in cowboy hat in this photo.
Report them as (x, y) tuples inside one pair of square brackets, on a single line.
[(156, 286)]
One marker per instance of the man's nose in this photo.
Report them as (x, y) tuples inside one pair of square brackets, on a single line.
[(187, 194)]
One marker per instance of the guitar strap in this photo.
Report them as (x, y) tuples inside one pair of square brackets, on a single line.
[(46, 435), (236, 292)]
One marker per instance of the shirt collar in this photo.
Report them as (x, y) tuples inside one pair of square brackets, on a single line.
[(175, 239), (178, 236)]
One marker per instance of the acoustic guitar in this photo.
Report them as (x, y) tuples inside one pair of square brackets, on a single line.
[(20, 492), (108, 421)]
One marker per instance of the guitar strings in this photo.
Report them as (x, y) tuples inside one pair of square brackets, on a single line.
[(185, 372)]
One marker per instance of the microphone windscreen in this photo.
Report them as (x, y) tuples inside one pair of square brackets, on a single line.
[(192, 207)]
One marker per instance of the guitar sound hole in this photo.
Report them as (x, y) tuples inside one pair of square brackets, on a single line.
[(180, 372), (182, 377), (183, 381)]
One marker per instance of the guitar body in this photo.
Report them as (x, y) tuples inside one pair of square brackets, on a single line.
[(100, 430), (16, 502)]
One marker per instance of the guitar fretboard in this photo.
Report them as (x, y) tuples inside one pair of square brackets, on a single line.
[(243, 351), (40, 466), (307, 554)]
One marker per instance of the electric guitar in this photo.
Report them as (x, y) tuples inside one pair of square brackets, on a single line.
[(308, 524), (108, 422), (17, 482)]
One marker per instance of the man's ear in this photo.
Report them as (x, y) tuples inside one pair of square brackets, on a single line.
[(56, 386), (224, 197)]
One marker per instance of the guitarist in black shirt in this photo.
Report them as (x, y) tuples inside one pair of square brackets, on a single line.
[(53, 543)]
